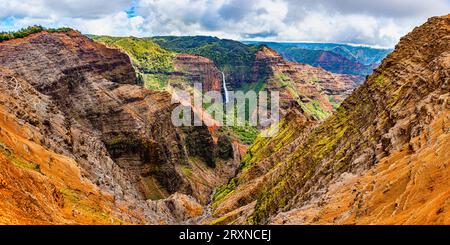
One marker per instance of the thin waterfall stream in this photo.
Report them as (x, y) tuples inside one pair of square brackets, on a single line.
[(225, 87)]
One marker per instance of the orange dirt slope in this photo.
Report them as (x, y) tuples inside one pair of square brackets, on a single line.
[(38, 186)]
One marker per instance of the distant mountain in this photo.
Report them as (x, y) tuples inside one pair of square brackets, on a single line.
[(327, 60), (363, 54), (338, 58)]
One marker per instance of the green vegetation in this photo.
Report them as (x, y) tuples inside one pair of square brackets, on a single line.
[(70, 195), (24, 32), (264, 146), (153, 191), (313, 107), (321, 142), (379, 81), (20, 162), (155, 82), (122, 140), (261, 148), (334, 103), (283, 78), (86, 207), (316, 110), (153, 64), (17, 160), (186, 170), (327, 144), (223, 191), (255, 86), (246, 134), (232, 57), (286, 82), (62, 29), (220, 221), (146, 55)]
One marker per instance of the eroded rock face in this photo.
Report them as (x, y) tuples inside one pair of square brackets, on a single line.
[(319, 91), (77, 99), (224, 147), (236, 200), (200, 144), (46, 177), (196, 69), (92, 86), (372, 161)]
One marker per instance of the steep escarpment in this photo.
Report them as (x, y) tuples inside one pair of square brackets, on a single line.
[(158, 68), (82, 79), (319, 92), (151, 62), (76, 100), (191, 69), (43, 181), (381, 158), (234, 202), (245, 67)]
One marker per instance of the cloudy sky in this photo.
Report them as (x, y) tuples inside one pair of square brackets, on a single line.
[(370, 22)]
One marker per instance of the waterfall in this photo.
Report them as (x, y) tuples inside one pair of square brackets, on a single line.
[(224, 87)]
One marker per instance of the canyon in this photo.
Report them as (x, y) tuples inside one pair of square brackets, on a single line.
[(76, 103), (86, 135)]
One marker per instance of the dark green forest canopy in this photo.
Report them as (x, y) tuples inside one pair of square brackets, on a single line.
[(24, 32)]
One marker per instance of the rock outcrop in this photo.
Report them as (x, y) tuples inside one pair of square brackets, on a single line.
[(192, 69), (382, 158), (224, 147)]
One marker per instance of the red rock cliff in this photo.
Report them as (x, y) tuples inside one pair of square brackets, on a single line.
[(69, 102)]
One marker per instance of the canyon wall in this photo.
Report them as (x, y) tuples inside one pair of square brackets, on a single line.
[(319, 92), (73, 99), (382, 158)]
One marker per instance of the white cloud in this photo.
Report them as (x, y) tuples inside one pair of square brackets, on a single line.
[(87, 9), (360, 21)]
